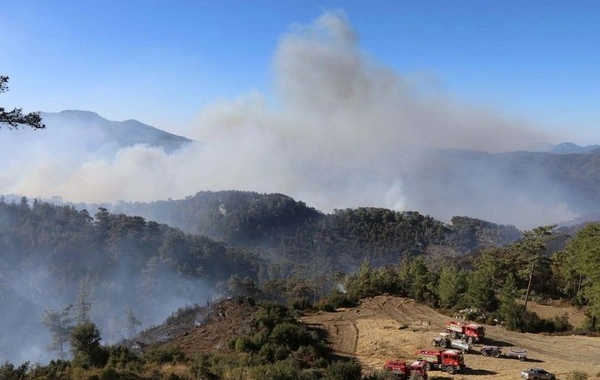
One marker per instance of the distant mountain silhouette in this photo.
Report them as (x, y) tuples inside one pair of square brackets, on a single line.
[(98, 132), (568, 148)]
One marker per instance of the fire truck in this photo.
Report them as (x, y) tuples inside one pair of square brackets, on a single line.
[(471, 332), (450, 361), (403, 370)]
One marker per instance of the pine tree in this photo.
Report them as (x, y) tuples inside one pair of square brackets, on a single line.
[(480, 291), (131, 322), (85, 346), (60, 325), (583, 259), (82, 304), (16, 117), (451, 286), (534, 246)]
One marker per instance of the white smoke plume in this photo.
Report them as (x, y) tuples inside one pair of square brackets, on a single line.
[(343, 132)]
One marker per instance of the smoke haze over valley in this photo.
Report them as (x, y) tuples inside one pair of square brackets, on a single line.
[(223, 183), (342, 131)]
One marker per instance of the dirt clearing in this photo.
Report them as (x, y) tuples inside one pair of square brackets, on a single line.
[(386, 327)]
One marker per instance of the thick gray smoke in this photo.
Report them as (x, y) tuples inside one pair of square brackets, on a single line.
[(30, 289), (345, 131)]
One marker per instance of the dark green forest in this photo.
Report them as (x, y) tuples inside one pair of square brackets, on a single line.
[(281, 228), (62, 268)]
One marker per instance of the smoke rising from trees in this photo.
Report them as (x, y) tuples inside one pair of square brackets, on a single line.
[(343, 131)]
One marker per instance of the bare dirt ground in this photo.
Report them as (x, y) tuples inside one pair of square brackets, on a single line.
[(199, 328), (387, 327)]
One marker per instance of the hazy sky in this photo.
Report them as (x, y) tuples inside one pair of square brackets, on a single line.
[(162, 62)]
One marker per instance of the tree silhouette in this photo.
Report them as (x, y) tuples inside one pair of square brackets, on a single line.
[(534, 245), (85, 346), (16, 117), (60, 325)]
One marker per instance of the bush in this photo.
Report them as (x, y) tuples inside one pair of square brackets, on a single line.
[(342, 300), (324, 305), (588, 326), (282, 370), (120, 356), (163, 355), (292, 335), (272, 352), (300, 304), (308, 354), (271, 314), (55, 369), (109, 374), (343, 370), (561, 323), (244, 344)]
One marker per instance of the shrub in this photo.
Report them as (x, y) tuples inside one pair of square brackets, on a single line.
[(163, 355), (201, 367), (120, 356), (324, 305), (343, 370), (55, 369), (272, 352), (308, 353), (342, 300), (271, 314), (244, 344), (300, 304), (292, 335), (109, 374), (260, 338), (282, 370), (561, 323)]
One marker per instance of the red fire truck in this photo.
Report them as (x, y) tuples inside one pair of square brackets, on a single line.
[(471, 332), (450, 361)]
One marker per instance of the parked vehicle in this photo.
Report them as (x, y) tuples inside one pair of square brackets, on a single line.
[(537, 374), (444, 341), (471, 332), (450, 361), (515, 352), (496, 351), (404, 370)]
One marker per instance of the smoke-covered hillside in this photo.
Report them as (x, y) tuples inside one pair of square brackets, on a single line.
[(114, 268), (110, 267)]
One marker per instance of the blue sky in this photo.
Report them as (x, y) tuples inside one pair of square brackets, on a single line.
[(161, 62)]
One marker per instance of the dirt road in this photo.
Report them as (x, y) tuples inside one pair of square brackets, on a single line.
[(386, 327)]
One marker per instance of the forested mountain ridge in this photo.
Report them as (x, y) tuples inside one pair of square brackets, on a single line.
[(288, 228)]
